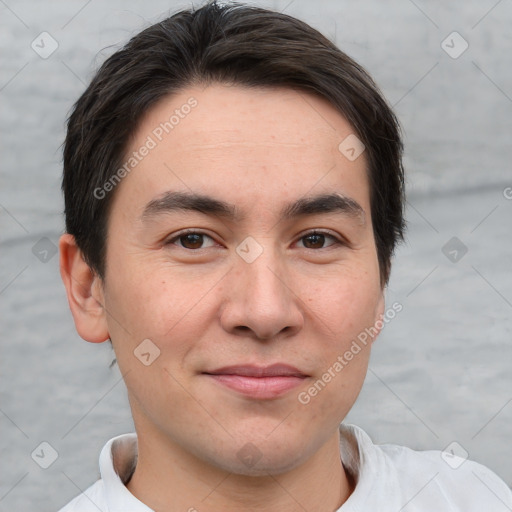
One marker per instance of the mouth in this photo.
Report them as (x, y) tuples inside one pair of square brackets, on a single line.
[(259, 382)]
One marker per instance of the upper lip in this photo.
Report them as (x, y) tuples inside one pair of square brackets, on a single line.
[(273, 370)]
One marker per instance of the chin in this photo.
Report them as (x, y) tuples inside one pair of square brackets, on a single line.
[(260, 458), (261, 465)]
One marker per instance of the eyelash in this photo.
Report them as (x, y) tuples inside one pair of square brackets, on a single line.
[(337, 241)]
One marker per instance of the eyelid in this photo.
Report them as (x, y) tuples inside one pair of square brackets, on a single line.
[(338, 239), (171, 239)]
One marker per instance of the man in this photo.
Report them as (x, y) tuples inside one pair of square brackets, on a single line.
[(234, 193)]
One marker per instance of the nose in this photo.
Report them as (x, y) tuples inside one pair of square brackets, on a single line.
[(260, 301)]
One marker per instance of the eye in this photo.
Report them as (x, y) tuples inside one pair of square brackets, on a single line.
[(192, 240), (317, 240)]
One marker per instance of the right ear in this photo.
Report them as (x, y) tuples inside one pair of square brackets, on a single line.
[(84, 289)]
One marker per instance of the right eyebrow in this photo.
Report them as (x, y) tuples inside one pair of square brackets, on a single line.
[(175, 201)]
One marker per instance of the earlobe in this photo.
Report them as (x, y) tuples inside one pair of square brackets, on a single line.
[(84, 291)]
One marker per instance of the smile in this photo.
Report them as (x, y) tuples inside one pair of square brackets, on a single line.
[(261, 383)]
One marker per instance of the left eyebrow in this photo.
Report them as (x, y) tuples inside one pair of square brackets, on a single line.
[(315, 205), (326, 203)]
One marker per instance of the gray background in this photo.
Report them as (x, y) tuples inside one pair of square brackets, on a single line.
[(440, 372)]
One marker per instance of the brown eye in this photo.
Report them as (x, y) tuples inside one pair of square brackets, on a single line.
[(314, 241), (192, 241), (318, 240)]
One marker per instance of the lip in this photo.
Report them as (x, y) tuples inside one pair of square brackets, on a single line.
[(259, 382)]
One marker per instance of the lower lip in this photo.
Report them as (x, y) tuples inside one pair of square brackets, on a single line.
[(263, 388)]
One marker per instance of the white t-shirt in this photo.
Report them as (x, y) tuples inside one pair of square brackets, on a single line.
[(388, 478)]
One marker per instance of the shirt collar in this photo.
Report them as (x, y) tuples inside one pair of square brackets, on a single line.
[(360, 459), (119, 456), (117, 461)]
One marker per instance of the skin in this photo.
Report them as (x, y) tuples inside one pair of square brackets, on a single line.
[(301, 302)]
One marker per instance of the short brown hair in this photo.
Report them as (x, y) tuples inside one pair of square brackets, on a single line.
[(228, 43)]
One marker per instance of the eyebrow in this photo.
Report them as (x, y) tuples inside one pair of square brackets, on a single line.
[(314, 205)]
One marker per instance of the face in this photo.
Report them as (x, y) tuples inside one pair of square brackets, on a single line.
[(242, 247)]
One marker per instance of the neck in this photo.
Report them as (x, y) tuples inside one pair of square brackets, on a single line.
[(166, 479)]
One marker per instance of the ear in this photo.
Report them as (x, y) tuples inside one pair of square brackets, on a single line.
[(84, 289)]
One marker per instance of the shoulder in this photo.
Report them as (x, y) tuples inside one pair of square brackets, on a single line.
[(462, 483), (91, 500), (414, 481)]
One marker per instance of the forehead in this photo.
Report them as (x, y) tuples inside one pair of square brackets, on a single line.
[(243, 145)]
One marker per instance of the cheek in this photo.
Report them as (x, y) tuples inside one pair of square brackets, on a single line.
[(344, 312), (173, 319), (345, 304), (172, 313)]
